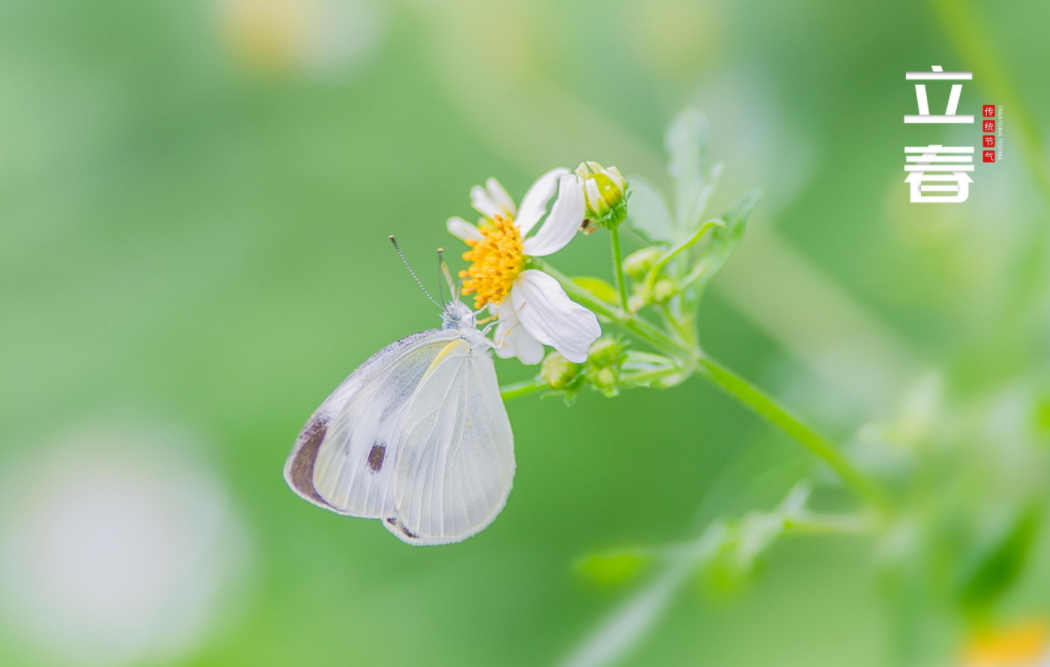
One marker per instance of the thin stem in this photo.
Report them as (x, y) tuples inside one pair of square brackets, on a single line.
[(632, 323), (621, 283), (768, 409), (512, 391), (645, 377), (654, 272)]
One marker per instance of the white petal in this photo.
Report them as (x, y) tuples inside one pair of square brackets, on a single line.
[(512, 340), (534, 204), (547, 313), (562, 223), (482, 203), (594, 195), (500, 197), (463, 230)]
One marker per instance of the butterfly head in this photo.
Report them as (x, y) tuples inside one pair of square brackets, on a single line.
[(458, 315)]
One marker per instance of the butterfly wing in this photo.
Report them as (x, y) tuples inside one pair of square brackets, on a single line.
[(455, 461), (344, 458)]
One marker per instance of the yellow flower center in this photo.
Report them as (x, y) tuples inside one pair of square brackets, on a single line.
[(496, 260)]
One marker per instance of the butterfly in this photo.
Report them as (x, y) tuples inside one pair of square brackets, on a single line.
[(417, 437)]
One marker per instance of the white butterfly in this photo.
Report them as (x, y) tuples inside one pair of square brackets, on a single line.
[(417, 437)]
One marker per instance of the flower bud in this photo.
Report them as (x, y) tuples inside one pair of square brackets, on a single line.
[(603, 364), (604, 379), (605, 191), (559, 372), (663, 289), (639, 262)]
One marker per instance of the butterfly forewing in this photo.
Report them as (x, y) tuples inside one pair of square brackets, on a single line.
[(344, 457)]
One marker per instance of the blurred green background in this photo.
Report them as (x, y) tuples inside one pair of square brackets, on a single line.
[(194, 204)]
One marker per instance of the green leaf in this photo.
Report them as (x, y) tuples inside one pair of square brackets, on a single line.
[(744, 542), (614, 567), (996, 567), (600, 289), (716, 247), (647, 213), (686, 143), (702, 198)]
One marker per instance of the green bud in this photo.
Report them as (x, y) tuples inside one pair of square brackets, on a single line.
[(635, 302), (604, 359), (606, 351), (639, 262), (605, 191), (559, 372), (663, 289)]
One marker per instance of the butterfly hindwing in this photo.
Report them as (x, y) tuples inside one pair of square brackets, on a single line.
[(456, 461)]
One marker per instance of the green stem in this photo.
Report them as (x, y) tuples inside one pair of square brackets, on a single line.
[(654, 272), (768, 409), (645, 377), (512, 391), (621, 283)]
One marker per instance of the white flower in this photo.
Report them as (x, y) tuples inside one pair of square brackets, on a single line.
[(532, 307)]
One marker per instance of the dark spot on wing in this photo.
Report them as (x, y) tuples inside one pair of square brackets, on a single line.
[(401, 528), (376, 456), (302, 472)]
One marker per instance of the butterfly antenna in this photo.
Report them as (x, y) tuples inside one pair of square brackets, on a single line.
[(452, 287), (441, 266), (414, 276)]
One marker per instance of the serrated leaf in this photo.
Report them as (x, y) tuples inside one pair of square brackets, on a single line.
[(686, 143), (692, 221), (648, 214), (613, 567), (716, 247), (602, 290)]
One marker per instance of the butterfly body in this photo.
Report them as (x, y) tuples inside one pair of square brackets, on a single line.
[(417, 437)]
